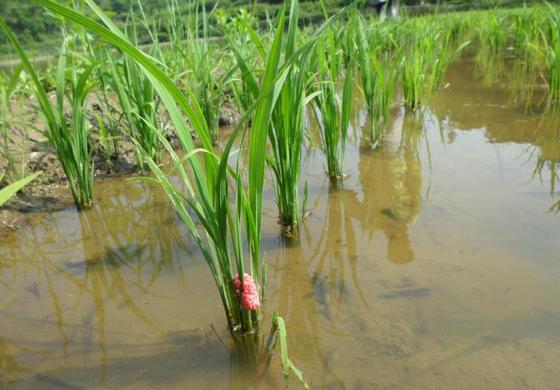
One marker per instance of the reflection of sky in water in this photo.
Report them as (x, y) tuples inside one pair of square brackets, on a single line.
[(433, 264)]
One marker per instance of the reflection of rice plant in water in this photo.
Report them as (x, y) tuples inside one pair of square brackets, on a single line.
[(205, 207), (547, 152), (68, 137)]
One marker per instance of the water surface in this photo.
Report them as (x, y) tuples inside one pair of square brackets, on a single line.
[(435, 265)]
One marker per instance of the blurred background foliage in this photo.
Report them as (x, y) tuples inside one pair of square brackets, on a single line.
[(39, 31)]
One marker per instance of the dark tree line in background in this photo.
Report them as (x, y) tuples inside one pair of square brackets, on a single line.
[(34, 28)]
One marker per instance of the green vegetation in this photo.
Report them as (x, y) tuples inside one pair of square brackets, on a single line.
[(7, 192), (332, 110), (278, 72), (551, 48), (135, 92), (7, 86), (68, 137), (408, 57), (287, 127), (38, 31), (209, 72), (378, 69), (220, 240)]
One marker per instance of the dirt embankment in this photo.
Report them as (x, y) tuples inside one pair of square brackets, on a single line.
[(30, 151)]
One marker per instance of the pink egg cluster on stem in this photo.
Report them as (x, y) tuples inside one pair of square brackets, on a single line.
[(247, 291)]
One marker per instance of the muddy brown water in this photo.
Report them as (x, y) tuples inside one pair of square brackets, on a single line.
[(435, 266)]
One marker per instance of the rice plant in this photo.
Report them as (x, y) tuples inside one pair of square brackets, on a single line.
[(5, 139), (553, 54), (69, 138), (208, 74), (10, 190), (136, 95), (332, 111), (525, 72), (13, 148), (237, 32), (386, 81), (139, 106), (367, 74), (536, 51), (109, 120), (492, 37), (379, 76), (286, 132), (444, 54), (203, 200), (415, 72)]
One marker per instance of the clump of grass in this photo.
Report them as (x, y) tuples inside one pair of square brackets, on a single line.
[(553, 55), (427, 46), (108, 120), (414, 74), (106, 112), (286, 132), (5, 139), (527, 50), (332, 110), (68, 137), (386, 81), (206, 72), (139, 106), (13, 148), (444, 53), (137, 99), (492, 38), (10, 190), (379, 77), (367, 75), (202, 198), (237, 32)]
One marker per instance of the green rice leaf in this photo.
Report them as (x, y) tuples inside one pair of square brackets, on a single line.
[(7, 192)]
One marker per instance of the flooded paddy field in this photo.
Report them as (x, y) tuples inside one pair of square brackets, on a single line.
[(435, 265)]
